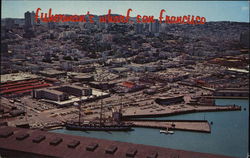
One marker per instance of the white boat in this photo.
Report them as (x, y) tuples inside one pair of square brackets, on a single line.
[(166, 131)]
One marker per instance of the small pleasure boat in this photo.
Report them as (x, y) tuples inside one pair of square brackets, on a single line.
[(166, 131)]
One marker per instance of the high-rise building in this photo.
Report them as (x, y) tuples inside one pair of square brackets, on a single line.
[(139, 28), (29, 19), (163, 28), (33, 18), (154, 27)]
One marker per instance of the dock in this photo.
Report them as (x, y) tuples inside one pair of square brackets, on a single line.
[(161, 111), (232, 93), (189, 125)]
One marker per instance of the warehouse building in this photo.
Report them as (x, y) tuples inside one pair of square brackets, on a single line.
[(50, 94), (75, 90), (19, 84), (232, 92)]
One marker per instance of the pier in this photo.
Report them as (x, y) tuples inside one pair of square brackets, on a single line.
[(190, 125), (241, 93), (161, 111)]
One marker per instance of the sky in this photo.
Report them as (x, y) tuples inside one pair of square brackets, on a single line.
[(211, 10)]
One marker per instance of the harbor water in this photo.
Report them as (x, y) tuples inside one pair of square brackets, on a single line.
[(229, 132)]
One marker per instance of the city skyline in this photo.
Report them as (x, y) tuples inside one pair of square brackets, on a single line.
[(213, 11)]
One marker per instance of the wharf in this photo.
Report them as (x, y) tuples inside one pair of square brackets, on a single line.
[(174, 110), (190, 125), (228, 97), (232, 93)]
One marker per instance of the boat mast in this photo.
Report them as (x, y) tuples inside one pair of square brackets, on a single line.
[(121, 106), (101, 110), (102, 87), (101, 102), (80, 110), (103, 77)]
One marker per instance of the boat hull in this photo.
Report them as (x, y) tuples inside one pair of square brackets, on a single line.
[(99, 128), (166, 132)]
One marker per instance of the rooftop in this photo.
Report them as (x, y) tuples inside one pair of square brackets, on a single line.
[(36, 142), (238, 70), (17, 77), (52, 72), (52, 91)]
